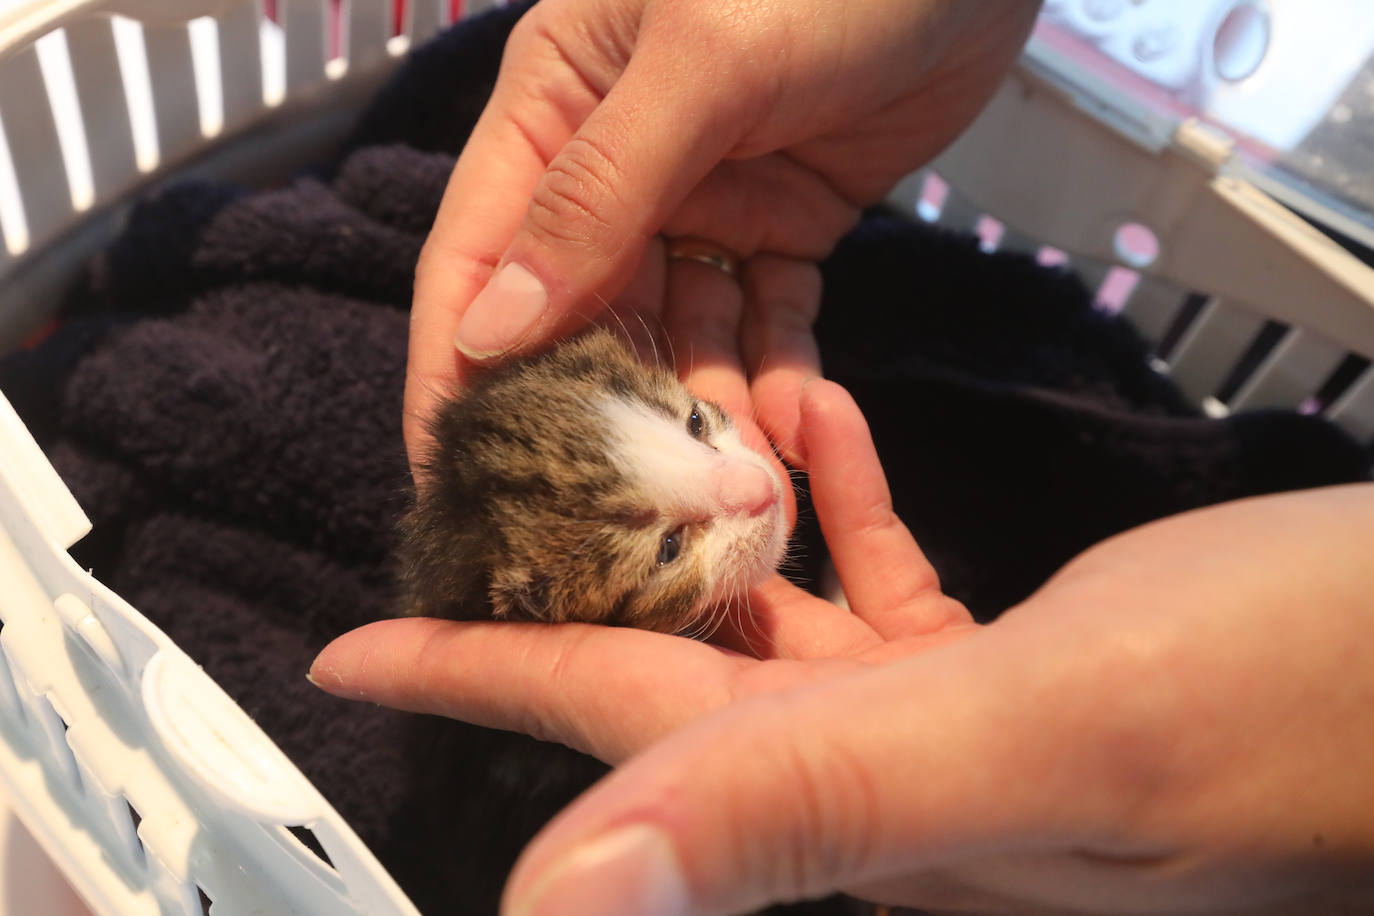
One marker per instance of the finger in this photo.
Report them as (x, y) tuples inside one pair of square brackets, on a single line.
[(536, 105), (850, 782), (781, 299), (637, 313), (702, 318), (476, 217), (770, 203), (566, 683), (605, 193), (781, 620), (888, 581)]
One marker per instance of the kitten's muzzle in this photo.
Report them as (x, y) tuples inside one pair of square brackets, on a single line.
[(744, 489)]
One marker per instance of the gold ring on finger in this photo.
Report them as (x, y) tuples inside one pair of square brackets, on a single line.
[(703, 252)]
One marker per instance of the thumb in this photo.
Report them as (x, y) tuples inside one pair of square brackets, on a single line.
[(602, 197), (857, 782)]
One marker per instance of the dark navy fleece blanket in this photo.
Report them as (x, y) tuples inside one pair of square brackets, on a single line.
[(224, 399)]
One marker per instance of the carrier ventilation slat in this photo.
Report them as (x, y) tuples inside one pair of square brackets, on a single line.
[(44, 196), (368, 26), (1291, 374), (176, 110), (424, 18), (1211, 347), (104, 106), (240, 62), (960, 213), (1354, 410), (1152, 308), (306, 26)]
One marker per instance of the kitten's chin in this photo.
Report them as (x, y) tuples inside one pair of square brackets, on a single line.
[(775, 545), (754, 559)]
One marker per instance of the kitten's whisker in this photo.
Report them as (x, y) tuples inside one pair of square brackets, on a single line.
[(608, 309), (741, 611), (712, 623), (701, 628), (767, 639), (658, 360), (705, 630), (415, 414), (698, 625), (433, 389), (587, 317), (728, 609), (721, 613), (668, 339)]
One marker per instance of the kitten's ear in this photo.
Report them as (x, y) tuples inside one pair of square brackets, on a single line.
[(520, 598)]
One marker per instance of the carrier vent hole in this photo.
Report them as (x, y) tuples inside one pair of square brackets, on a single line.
[(1264, 343), (205, 901), (48, 716), (307, 838), (931, 202), (1048, 256), (134, 818), (989, 230), (1346, 373), (139, 851), (1187, 314), (1136, 245), (1116, 290)]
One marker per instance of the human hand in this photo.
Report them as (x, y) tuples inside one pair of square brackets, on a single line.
[(410, 663), (1182, 720), (760, 127)]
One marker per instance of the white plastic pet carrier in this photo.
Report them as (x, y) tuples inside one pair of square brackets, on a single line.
[(139, 777)]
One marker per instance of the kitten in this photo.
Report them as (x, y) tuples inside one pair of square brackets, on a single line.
[(582, 485)]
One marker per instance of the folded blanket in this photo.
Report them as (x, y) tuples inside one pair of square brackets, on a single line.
[(224, 400)]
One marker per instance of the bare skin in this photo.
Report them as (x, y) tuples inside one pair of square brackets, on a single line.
[(762, 127), (1180, 721)]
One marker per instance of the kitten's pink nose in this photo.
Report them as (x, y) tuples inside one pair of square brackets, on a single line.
[(744, 488)]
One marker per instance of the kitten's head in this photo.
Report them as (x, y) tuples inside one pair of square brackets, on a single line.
[(582, 485)]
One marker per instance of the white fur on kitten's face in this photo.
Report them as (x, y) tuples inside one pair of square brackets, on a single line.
[(720, 498)]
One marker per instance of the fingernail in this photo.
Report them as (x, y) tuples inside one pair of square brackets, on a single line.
[(502, 314), (630, 871)]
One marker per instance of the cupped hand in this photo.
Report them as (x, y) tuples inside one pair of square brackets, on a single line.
[(1182, 720), (760, 127), (783, 637)]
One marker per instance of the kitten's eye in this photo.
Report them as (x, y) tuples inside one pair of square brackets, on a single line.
[(695, 425), (670, 547)]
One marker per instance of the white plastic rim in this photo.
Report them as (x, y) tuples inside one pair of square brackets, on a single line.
[(220, 746)]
